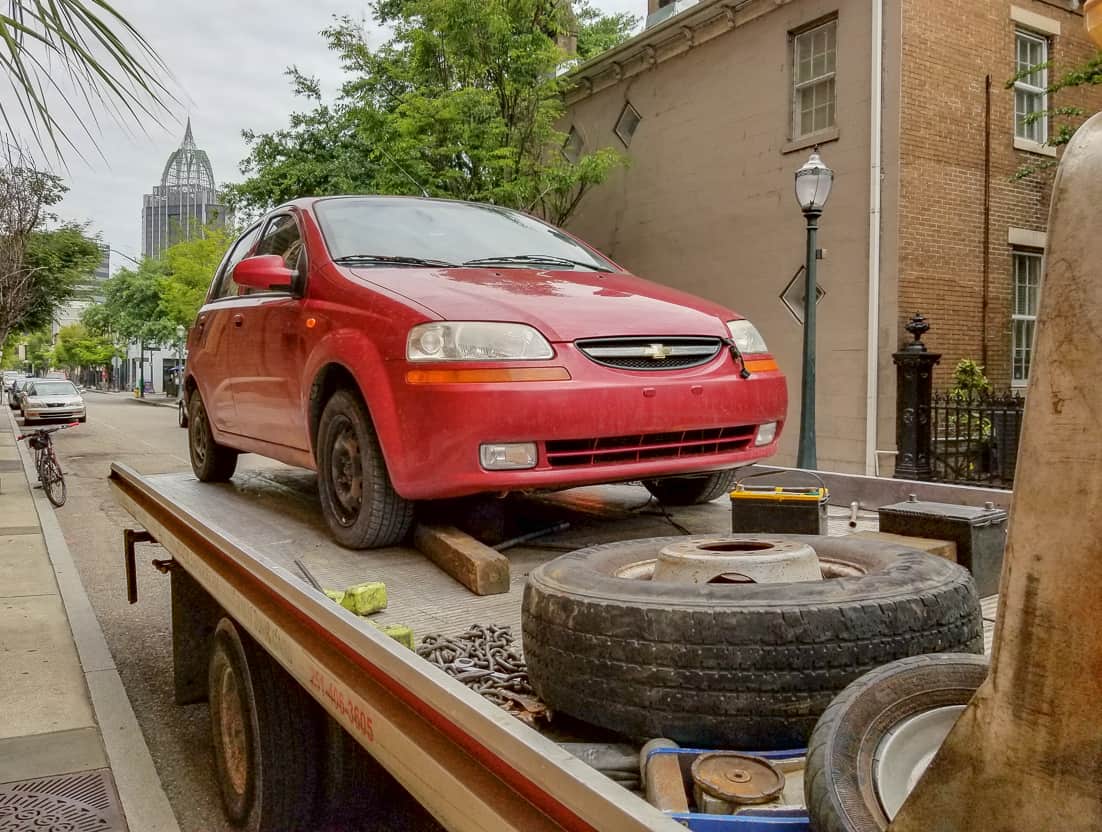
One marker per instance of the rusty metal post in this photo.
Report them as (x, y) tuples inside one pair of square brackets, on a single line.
[(913, 392), (1027, 753)]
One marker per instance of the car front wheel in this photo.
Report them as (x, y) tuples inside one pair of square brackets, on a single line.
[(691, 490), (357, 498)]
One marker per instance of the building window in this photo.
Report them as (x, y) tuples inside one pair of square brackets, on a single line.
[(1029, 88), (813, 57), (627, 123), (572, 147), (1027, 290)]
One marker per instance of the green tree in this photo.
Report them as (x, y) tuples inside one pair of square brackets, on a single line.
[(598, 32), (39, 352), (1065, 119), (462, 102), (77, 348), (100, 58), (60, 260), (189, 267), (132, 310)]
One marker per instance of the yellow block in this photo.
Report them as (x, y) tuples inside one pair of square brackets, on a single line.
[(364, 599), (399, 632)]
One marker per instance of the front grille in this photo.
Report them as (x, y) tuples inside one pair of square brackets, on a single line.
[(657, 353), (607, 450)]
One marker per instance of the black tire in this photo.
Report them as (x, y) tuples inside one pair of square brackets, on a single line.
[(747, 666), (267, 735), (210, 461), (692, 490), (53, 482), (840, 786), (357, 498)]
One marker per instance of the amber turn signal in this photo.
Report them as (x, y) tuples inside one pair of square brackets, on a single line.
[(760, 365), (486, 376)]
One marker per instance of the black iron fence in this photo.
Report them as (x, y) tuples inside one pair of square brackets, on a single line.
[(975, 437)]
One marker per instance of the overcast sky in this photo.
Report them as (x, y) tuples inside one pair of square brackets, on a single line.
[(227, 58)]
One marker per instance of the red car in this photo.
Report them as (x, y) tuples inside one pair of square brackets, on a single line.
[(413, 349)]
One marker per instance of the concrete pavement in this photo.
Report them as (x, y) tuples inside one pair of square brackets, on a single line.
[(66, 725)]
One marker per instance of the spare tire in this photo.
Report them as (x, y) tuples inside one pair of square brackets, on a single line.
[(733, 665)]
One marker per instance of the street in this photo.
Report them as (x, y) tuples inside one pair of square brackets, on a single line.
[(147, 438)]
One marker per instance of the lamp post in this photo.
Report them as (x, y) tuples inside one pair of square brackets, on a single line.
[(813, 182)]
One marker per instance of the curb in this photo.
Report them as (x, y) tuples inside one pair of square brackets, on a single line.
[(140, 791)]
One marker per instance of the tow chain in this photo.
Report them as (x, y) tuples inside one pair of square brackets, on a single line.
[(486, 659)]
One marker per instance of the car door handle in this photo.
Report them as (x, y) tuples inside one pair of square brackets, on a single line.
[(238, 319)]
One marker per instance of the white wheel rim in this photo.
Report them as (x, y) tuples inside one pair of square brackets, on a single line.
[(906, 751)]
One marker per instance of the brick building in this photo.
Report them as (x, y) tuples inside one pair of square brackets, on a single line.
[(716, 104)]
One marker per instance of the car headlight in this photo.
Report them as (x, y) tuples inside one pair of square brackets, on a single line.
[(475, 341), (746, 337)]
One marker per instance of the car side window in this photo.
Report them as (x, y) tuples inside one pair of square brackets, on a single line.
[(282, 237), (226, 287)]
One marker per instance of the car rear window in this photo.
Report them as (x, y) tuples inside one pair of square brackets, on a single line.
[(441, 230), (53, 388)]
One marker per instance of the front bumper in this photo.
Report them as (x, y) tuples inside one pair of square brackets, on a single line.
[(45, 413), (603, 425)]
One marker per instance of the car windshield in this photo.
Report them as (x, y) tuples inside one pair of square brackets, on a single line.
[(53, 388), (443, 232)]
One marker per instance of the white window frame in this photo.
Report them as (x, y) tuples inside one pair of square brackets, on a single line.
[(1021, 85), (799, 86), (1018, 254)]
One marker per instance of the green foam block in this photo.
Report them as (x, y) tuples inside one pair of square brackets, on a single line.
[(364, 599), (335, 595), (399, 632)]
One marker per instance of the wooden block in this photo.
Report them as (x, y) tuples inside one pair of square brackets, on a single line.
[(942, 548), (481, 569)]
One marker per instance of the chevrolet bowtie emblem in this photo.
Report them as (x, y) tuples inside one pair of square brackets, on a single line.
[(656, 352)]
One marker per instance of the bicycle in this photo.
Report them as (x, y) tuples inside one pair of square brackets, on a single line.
[(45, 462)]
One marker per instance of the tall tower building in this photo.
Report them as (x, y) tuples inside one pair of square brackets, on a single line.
[(184, 203)]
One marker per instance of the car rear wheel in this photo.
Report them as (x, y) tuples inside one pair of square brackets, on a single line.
[(689, 491), (210, 461), (357, 498)]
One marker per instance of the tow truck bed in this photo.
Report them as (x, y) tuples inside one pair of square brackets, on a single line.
[(469, 763)]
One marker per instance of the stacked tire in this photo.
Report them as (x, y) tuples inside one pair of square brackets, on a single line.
[(724, 665)]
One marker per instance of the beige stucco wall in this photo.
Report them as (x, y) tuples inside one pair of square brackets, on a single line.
[(707, 202)]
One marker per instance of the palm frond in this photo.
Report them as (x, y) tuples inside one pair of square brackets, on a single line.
[(109, 65)]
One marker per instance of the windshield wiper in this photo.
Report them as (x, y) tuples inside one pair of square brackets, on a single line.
[(391, 260), (549, 259)]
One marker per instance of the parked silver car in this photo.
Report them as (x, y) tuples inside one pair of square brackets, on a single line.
[(16, 389), (51, 399)]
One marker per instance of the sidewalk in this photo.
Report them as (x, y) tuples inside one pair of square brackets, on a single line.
[(70, 748), (156, 399)]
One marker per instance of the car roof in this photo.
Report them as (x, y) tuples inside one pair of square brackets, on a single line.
[(310, 201)]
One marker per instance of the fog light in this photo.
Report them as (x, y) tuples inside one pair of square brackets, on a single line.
[(508, 457), (766, 434)]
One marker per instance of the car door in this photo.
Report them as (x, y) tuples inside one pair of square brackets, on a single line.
[(212, 358), (267, 388)]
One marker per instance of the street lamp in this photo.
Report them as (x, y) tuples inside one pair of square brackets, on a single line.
[(813, 183)]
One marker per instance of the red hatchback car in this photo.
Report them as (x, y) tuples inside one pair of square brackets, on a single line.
[(412, 349)]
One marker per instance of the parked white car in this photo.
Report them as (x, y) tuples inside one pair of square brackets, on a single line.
[(52, 399)]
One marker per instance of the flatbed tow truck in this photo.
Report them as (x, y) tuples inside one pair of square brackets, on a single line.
[(470, 764)]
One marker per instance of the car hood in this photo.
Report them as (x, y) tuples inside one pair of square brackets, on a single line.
[(563, 305)]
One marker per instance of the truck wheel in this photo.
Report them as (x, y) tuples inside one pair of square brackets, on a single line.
[(733, 665), (876, 739), (690, 491), (210, 461), (267, 737), (357, 498)]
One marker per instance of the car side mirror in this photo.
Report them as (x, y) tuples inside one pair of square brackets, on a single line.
[(264, 272)]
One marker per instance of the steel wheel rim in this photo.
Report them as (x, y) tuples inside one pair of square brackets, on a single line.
[(346, 472), (904, 753), (199, 437), (643, 570), (231, 727)]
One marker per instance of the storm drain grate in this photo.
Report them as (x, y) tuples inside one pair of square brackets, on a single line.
[(85, 802)]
